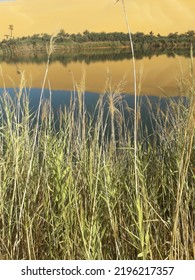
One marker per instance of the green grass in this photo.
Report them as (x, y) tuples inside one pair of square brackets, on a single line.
[(75, 193), (70, 193)]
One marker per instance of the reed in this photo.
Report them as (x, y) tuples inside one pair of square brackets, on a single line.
[(93, 187), (79, 199)]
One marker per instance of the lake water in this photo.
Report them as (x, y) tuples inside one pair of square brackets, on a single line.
[(157, 74)]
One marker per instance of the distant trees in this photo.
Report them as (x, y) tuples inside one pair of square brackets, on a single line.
[(87, 36), (142, 40), (151, 33), (45, 37), (11, 28), (190, 33), (173, 35), (62, 35)]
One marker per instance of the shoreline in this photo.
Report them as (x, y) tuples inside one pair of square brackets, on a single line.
[(12, 48)]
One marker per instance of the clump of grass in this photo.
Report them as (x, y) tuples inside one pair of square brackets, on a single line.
[(70, 193)]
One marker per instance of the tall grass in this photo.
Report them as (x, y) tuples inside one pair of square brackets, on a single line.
[(89, 188), (143, 232), (69, 193), (135, 93)]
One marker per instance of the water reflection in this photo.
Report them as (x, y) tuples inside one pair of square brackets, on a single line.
[(90, 56), (157, 71)]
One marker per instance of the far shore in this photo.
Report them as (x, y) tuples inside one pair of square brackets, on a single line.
[(64, 42), (11, 48)]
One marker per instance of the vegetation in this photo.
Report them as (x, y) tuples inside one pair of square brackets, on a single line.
[(96, 40), (88, 36), (11, 28), (90, 55), (79, 187), (67, 191)]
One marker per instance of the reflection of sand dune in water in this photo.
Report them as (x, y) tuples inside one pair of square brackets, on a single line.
[(158, 72)]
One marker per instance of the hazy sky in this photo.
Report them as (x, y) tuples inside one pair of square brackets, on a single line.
[(37, 16)]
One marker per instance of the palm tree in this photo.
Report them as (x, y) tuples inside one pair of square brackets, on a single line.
[(190, 33), (11, 28), (151, 33)]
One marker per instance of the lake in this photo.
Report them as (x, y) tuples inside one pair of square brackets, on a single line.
[(158, 75)]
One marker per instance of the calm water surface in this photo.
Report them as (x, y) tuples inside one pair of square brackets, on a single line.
[(157, 74), (158, 77)]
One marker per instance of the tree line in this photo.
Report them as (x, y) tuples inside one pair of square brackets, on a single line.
[(87, 36)]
